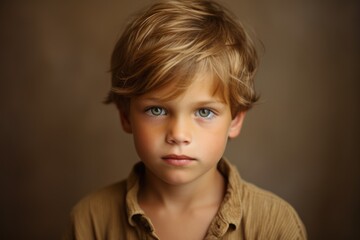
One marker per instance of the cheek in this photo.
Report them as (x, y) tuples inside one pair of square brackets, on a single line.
[(145, 139), (215, 140)]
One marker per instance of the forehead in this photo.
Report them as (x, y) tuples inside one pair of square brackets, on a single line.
[(202, 85)]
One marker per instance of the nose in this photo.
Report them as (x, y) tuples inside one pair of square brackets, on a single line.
[(179, 132)]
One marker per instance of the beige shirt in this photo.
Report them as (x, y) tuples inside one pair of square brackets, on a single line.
[(247, 212)]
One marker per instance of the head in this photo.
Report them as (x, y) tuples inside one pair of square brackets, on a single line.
[(173, 41)]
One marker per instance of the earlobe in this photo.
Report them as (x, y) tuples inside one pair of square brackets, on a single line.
[(236, 124), (125, 122)]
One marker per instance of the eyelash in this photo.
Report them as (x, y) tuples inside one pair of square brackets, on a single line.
[(150, 111), (210, 114)]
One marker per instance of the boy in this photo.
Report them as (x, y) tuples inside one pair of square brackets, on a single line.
[(182, 80)]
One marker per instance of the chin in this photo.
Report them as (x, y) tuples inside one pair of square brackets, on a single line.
[(177, 180)]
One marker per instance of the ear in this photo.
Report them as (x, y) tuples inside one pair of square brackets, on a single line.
[(125, 121), (236, 124)]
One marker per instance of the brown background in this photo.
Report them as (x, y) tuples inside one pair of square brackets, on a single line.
[(58, 142)]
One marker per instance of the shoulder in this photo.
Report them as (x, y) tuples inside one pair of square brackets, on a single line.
[(267, 213), (259, 214), (98, 215), (103, 200)]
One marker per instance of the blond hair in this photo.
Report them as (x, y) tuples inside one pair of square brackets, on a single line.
[(172, 41)]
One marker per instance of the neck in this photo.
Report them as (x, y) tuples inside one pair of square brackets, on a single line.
[(206, 191)]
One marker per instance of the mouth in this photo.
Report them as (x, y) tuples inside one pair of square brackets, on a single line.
[(178, 160)]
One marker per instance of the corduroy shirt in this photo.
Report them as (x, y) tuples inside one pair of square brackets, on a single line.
[(246, 212)]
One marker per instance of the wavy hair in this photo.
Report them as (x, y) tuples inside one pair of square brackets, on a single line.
[(172, 41)]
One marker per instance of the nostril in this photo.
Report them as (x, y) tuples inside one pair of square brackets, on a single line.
[(178, 132), (178, 139)]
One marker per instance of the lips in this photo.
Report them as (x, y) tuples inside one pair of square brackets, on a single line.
[(178, 160), (177, 157)]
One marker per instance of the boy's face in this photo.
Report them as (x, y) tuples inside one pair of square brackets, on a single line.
[(181, 140)]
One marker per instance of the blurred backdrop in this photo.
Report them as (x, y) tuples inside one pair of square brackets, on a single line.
[(58, 142)]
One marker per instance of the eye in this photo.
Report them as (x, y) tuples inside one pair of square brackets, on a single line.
[(205, 113), (156, 111)]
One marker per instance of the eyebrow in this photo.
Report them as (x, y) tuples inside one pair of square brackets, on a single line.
[(210, 102), (201, 102)]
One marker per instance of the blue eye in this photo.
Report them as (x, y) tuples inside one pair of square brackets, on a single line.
[(156, 111), (205, 113)]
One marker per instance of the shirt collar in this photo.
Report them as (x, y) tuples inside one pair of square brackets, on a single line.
[(229, 214), (230, 211), (132, 188)]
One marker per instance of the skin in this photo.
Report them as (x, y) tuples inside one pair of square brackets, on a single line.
[(181, 141)]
